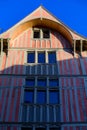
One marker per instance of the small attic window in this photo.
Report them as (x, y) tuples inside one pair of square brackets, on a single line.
[(36, 33), (41, 33), (46, 33)]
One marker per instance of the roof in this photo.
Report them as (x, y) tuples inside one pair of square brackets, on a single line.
[(41, 16)]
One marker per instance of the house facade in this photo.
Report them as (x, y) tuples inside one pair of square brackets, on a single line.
[(43, 75)]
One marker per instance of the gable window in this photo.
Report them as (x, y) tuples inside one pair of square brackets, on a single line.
[(36, 34), (31, 57), (41, 33), (46, 33)]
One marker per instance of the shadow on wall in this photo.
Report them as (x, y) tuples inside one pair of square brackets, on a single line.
[(69, 72)]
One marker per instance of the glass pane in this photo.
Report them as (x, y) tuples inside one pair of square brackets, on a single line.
[(46, 34), (41, 97), (53, 82), (31, 57), (36, 34), (51, 57), (28, 96), (40, 128), (26, 128), (41, 82), (41, 57), (53, 97), (55, 128), (30, 82)]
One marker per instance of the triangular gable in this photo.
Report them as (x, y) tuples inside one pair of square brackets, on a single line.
[(42, 13)]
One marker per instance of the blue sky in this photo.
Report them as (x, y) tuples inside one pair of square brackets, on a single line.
[(72, 13)]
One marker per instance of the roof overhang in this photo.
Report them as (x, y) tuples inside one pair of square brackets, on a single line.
[(44, 22)]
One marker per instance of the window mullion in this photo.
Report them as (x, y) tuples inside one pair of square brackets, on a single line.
[(41, 34), (46, 56), (36, 57)]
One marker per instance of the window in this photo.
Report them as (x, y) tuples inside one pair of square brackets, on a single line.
[(26, 128), (51, 57), (41, 57), (30, 82), (41, 97), (40, 128), (55, 128), (36, 33), (28, 96), (41, 82), (41, 33), (46, 33), (31, 57), (53, 83), (53, 97)]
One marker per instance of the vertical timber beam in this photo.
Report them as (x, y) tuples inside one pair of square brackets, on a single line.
[(8, 41), (74, 47), (1, 45), (81, 47)]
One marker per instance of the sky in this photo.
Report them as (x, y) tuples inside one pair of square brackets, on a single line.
[(72, 13)]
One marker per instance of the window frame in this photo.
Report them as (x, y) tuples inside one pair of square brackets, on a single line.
[(29, 90), (57, 92), (39, 52), (49, 52), (30, 52), (45, 96), (41, 31)]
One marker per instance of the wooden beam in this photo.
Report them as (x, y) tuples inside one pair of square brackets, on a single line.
[(81, 47), (74, 47)]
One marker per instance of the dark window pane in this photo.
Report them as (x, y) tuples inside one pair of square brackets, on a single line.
[(51, 57), (54, 128), (41, 57), (41, 97), (28, 96), (53, 97), (30, 82), (53, 82), (46, 34), (36, 34), (41, 82), (31, 57), (40, 128), (26, 128)]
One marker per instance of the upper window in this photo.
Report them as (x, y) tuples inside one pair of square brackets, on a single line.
[(41, 57), (41, 33), (46, 33), (31, 57), (36, 34), (51, 57)]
